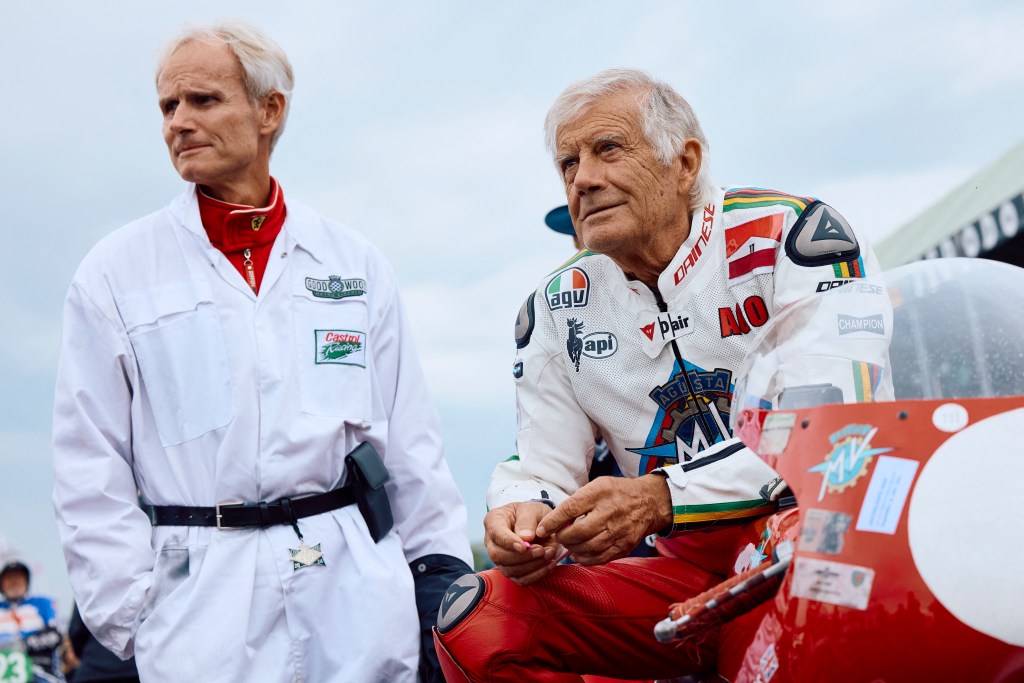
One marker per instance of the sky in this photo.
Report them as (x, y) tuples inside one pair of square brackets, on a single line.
[(419, 123)]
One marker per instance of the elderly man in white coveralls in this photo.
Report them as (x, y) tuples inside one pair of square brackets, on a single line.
[(219, 360)]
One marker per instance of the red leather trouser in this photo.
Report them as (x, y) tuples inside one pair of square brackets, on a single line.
[(586, 620)]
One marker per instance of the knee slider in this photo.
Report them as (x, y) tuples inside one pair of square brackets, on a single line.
[(459, 601)]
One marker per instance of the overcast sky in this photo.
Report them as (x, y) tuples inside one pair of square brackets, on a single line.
[(419, 123)]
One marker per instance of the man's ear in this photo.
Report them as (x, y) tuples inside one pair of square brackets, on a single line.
[(272, 107), (690, 159)]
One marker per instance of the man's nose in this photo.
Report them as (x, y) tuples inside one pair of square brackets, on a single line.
[(589, 176), (181, 119)]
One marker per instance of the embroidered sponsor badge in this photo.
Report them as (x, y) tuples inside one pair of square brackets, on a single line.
[(568, 289), (341, 347), (862, 326), (600, 345), (336, 287), (663, 328)]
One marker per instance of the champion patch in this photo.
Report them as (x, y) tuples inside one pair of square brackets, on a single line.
[(821, 236), (340, 347), (336, 287), (568, 289)]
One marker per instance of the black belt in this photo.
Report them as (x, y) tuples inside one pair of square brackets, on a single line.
[(238, 514)]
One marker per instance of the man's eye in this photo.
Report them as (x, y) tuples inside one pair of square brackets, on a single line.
[(609, 147), (169, 107)]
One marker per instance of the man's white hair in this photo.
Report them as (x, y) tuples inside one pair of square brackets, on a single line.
[(265, 66), (668, 119)]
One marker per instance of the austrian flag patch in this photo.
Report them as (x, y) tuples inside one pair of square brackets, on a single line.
[(340, 347)]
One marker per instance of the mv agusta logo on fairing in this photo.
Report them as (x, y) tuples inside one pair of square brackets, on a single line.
[(335, 287), (849, 458)]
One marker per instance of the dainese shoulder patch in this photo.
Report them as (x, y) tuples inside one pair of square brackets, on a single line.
[(821, 236)]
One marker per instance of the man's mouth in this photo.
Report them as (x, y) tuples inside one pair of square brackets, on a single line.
[(596, 210)]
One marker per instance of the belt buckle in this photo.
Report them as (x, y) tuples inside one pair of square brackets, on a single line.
[(227, 504)]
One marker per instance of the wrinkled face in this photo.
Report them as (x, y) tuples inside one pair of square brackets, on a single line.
[(619, 193), (14, 585), (211, 128)]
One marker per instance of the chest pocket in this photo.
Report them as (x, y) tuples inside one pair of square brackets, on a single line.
[(332, 350), (179, 345)]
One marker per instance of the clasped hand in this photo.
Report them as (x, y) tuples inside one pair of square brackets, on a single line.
[(600, 522)]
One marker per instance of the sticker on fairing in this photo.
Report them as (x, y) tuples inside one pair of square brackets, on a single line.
[(824, 531), (836, 583), (340, 347), (887, 494)]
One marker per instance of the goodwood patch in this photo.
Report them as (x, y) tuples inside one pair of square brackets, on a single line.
[(821, 236), (568, 289), (335, 287), (340, 347)]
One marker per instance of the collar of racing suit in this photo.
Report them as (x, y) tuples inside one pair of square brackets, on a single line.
[(234, 227)]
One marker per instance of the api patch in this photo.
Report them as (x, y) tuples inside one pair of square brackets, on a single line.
[(821, 236)]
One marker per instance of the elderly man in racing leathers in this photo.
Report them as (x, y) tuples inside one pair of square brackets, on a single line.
[(640, 337)]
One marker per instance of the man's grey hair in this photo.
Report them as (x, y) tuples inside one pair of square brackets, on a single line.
[(265, 66), (668, 119)]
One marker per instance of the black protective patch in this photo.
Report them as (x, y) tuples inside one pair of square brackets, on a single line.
[(459, 601), (524, 323), (821, 236)]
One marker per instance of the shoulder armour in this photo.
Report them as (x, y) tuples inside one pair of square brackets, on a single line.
[(821, 236), (524, 322)]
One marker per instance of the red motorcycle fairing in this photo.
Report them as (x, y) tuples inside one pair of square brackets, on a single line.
[(906, 567)]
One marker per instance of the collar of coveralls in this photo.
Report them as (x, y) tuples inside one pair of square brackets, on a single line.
[(234, 227)]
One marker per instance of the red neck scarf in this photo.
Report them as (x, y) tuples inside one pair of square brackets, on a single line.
[(244, 234)]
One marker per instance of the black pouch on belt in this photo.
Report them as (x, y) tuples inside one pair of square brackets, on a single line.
[(367, 473)]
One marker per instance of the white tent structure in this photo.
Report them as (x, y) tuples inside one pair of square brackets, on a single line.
[(983, 217)]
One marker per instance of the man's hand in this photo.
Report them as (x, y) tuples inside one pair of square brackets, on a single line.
[(608, 517), (510, 536)]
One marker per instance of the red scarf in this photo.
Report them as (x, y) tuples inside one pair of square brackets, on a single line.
[(243, 233)]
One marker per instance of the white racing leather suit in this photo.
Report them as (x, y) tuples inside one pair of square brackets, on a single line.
[(598, 351)]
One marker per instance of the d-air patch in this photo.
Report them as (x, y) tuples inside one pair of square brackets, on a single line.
[(459, 600), (524, 323), (821, 236)]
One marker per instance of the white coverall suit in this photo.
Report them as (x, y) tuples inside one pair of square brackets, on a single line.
[(179, 385)]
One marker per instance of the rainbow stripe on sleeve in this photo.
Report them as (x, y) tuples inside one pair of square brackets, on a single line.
[(754, 197)]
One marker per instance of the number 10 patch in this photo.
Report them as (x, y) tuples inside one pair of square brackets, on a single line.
[(341, 347)]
